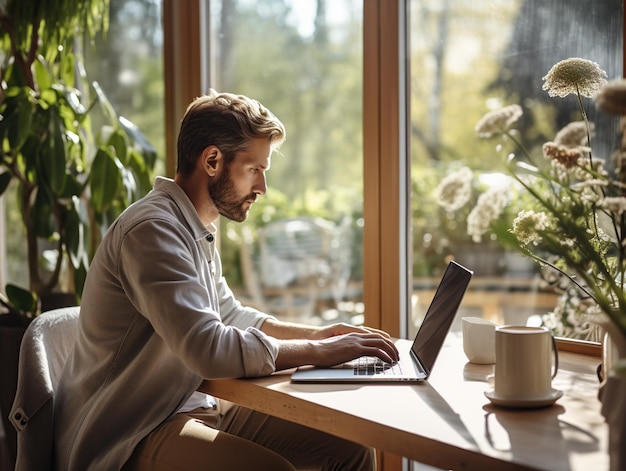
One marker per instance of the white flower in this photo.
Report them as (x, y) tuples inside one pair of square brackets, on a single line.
[(579, 201), (612, 97), (574, 134), (590, 190), (498, 121), (528, 225), (574, 75), (455, 189), (614, 204), (488, 208)]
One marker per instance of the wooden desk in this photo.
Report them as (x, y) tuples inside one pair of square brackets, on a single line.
[(447, 421)]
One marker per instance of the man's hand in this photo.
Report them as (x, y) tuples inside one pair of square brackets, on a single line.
[(296, 331), (336, 349), (302, 344), (341, 329)]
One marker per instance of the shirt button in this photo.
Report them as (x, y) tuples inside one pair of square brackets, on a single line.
[(210, 238)]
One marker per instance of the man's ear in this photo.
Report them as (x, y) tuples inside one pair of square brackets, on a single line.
[(211, 160)]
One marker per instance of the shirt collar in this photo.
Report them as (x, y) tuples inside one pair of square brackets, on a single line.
[(198, 229)]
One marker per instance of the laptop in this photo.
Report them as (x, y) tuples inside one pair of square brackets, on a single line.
[(415, 364)]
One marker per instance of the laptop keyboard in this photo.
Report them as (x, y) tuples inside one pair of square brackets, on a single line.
[(367, 366)]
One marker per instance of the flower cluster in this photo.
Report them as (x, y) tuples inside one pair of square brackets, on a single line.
[(456, 190), (572, 216)]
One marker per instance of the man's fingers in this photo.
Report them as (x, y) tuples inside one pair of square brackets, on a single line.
[(385, 349), (377, 331)]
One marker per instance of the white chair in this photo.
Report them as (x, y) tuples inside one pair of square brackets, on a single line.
[(296, 264), (45, 346), (293, 264)]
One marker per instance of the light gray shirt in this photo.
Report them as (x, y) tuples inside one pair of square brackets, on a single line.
[(156, 318)]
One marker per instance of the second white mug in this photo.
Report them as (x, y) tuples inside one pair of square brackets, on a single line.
[(479, 340)]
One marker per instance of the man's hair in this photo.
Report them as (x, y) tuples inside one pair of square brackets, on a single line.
[(226, 121)]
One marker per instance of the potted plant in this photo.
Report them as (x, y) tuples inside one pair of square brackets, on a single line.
[(75, 164), (71, 180)]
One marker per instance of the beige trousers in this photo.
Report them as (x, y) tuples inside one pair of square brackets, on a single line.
[(243, 439)]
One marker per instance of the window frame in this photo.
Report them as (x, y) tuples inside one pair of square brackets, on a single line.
[(384, 287)]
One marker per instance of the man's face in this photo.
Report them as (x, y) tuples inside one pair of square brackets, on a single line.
[(236, 188)]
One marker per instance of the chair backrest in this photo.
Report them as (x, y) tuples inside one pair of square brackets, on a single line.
[(297, 238), (294, 250), (45, 347)]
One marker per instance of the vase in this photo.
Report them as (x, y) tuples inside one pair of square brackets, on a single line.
[(612, 395)]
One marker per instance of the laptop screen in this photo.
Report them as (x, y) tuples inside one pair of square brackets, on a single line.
[(440, 314)]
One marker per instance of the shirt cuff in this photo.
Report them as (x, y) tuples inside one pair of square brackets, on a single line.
[(263, 364)]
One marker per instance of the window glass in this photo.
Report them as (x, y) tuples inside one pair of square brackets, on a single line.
[(132, 77), (468, 58), (299, 253)]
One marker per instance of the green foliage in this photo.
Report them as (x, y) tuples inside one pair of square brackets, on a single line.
[(22, 299), (54, 22), (71, 181)]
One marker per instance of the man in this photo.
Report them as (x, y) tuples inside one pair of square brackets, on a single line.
[(157, 317)]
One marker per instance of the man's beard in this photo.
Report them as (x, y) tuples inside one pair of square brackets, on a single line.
[(224, 196)]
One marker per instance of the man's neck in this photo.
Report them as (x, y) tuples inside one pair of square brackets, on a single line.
[(199, 196)]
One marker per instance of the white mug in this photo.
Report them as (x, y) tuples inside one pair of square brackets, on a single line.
[(524, 362), (479, 340)]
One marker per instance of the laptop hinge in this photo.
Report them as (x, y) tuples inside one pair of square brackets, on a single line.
[(420, 365)]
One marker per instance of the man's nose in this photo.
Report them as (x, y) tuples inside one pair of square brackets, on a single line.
[(260, 188)]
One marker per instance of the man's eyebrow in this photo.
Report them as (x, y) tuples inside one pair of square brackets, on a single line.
[(262, 165)]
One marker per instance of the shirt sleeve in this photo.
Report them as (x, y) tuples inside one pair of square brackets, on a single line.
[(164, 273), (232, 311)]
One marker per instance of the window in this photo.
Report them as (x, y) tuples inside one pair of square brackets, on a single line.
[(299, 253), (447, 91), (132, 77), (467, 58)]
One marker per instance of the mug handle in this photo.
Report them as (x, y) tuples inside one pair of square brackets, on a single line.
[(556, 355)]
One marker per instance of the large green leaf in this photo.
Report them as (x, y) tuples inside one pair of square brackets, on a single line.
[(74, 237), (42, 76), (143, 177), (53, 160), (21, 298), (104, 181), (30, 156), (42, 214), (80, 275), (118, 141), (72, 188), (67, 72), (148, 151), (5, 179), (19, 122)]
